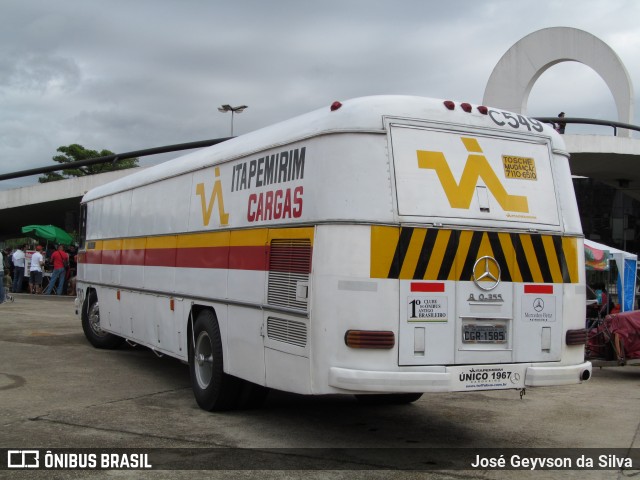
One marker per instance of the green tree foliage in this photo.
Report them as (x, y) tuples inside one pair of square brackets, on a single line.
[(74, 153)]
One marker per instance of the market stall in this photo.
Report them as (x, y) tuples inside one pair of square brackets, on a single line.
[(598, 257), (613, 339)]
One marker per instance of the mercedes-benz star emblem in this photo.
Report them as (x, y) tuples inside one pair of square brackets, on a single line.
[(482, 270), (538, 304)]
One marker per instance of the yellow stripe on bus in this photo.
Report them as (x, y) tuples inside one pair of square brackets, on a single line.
[(439, 249), (225, 238), (413, 252), (570, 247), (532, 260), (554, 266), (382, 258), (199, 240)]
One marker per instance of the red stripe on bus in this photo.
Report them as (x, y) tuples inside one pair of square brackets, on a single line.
[(111, 257), (203, 257), (538, 289), (248, 258), (94, 256), (235, 257), (132, 257), (427, 287), (160, 257)]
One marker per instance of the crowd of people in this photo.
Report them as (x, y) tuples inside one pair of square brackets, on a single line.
[(57, 264)]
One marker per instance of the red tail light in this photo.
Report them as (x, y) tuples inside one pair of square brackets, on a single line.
[(369, 339), (576, 337), (449, 104), (466, 107)]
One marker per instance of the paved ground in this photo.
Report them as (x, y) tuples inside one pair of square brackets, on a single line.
[(56, 391)]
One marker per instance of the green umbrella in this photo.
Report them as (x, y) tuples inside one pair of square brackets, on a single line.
[(48, 232)]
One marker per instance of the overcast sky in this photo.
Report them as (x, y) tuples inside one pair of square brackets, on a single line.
[(125, 75)]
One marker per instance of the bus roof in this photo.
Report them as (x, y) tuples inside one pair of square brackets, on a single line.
[(363, 114)]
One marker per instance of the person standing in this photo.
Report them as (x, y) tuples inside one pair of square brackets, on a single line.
[(35, 271), (560, 126), (60, 260), (69, 283), (7, 262), (18, 269)]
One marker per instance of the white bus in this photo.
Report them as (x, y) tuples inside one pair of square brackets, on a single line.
[(384, 247)]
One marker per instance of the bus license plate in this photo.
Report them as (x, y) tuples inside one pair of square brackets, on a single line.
[(472, 333)]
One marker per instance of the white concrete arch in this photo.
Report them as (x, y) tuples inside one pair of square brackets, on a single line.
[(520, 67)]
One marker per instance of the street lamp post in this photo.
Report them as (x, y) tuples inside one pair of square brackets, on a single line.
[(229, 108)]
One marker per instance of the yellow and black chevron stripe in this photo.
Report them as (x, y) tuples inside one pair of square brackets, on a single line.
[(409, 253)]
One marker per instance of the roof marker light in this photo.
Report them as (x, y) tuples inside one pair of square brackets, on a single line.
[(335, 106), (449, 104), (466, 107), (483, 110)]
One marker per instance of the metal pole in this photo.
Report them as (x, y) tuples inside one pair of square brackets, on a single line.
[(228, 108), (232, 112), (114, 157)]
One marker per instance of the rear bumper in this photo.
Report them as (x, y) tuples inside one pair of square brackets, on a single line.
[(458, 378), (565, 375)]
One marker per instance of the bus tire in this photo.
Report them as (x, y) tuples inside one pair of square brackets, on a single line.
[(213, 389), (389, 398), (91, 325)]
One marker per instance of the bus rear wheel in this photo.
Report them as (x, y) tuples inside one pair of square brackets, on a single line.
[(213, 389)]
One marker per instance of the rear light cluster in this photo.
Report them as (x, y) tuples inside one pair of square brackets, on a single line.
[(465, 107), (370, 339), (576, 337)]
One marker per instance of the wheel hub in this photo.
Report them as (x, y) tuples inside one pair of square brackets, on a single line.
[(203, 358)]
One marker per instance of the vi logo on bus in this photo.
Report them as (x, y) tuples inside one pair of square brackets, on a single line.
[(461, 194), (216, 195)]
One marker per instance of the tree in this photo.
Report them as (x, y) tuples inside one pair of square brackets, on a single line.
[(74, 153)]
